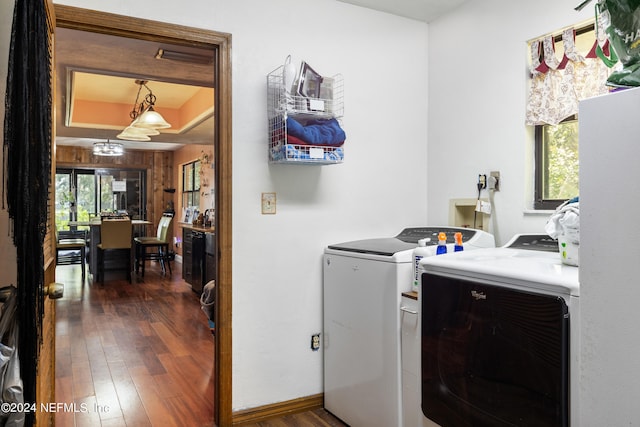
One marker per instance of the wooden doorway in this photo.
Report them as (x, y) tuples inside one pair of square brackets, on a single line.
[(110, 24)]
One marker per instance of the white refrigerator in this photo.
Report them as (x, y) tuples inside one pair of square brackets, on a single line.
[(609, 127)]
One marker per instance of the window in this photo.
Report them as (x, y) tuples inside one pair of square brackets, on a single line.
[(83, 193), (565, 69), (75, 196), (191, 184), (557, 166)]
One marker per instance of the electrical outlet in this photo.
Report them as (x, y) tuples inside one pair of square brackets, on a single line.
[(315, 342), (482, 181)]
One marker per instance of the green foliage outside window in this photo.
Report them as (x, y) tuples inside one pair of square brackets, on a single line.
[(65, 198), (86, 192), (560, 147), (191, 184)]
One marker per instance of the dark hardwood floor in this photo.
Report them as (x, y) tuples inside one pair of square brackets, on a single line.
[(139, 354), (132, 354)]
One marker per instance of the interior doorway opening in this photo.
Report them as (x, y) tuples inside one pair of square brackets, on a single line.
[(220, 44)]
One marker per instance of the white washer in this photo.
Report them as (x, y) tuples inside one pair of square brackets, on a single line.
[(363, 283), (499, 289)]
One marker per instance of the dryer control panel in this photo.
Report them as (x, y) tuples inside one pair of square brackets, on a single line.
[(533, 242)]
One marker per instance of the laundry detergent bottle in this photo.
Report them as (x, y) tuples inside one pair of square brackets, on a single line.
[(418, 253), (458, 245), (442, 244)]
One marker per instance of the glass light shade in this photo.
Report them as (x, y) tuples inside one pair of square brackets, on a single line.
[(140, 129), (132, 133), (151, 119), (108, 149)]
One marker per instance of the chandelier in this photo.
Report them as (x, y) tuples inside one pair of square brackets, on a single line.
[(108, 148), (145, 119)]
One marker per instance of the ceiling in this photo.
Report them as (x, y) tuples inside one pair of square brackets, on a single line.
[(421, 10), (97, 73), (99, 68)]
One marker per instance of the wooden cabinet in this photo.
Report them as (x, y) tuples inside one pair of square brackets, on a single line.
[(187, 256), (193, 258), (209, 258)]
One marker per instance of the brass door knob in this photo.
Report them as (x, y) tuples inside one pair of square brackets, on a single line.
[(54, 290)]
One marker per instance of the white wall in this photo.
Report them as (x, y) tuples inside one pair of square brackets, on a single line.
[(277, 276), (477, 91), (277, 259), (8, 268)]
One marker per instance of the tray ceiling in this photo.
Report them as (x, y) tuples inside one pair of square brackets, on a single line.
[(97, 72)]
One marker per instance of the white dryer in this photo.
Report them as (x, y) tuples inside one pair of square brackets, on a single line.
[(500, 331), (363, 282)]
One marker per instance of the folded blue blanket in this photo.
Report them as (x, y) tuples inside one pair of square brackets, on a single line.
[(317, 132)]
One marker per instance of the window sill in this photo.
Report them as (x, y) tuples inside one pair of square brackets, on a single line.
[(536, 212)]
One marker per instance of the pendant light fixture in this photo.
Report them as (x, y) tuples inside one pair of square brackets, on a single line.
[(145, 120), (108, 148), (150, 119), (133, 133)]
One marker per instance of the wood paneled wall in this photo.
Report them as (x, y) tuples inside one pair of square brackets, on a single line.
[(159, 166)]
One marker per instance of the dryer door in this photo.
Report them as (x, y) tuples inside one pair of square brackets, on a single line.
[(493, 356)]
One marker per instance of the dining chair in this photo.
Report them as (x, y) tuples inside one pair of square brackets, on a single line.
[(158, 242), (71, 248), (115, 239)]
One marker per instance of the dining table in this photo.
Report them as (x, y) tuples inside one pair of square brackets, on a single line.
[(139, 229)]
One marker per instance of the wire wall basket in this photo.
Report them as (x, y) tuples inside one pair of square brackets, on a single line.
[(284, 102)]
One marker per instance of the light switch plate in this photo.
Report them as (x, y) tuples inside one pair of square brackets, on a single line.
[(268, 203)]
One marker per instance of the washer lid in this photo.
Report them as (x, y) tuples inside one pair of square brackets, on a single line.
[(517, 268), (406, 240), (384, 246)]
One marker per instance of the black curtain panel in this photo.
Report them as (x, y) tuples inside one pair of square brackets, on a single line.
[(27, 155)]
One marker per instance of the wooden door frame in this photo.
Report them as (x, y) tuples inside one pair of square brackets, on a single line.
[(119, 25)]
